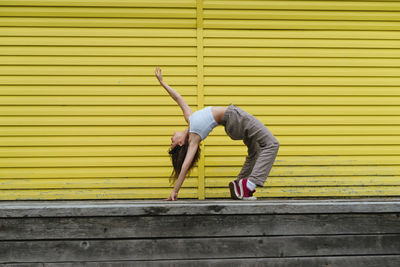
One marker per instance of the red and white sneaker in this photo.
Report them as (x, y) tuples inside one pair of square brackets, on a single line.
[(236, 193), (240, 191), (247, 194)]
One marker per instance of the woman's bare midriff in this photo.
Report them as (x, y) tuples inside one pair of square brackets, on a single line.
[(218, 113)]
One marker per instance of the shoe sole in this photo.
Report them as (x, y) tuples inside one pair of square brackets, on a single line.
[(233, 191), (250, 198)]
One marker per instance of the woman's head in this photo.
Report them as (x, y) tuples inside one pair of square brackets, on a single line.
[(178, 138), (178, 150)]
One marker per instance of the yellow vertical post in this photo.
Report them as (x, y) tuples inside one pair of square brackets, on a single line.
[(200, 93)]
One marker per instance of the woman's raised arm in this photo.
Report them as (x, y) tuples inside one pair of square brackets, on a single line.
[(175, 95)]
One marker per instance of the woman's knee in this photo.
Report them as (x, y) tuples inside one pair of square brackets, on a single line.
[(276, 144)]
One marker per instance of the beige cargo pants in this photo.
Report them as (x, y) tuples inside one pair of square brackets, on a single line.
[(261, 143)]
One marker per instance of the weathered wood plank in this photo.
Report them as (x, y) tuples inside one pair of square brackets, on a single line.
[(184, 207), (198, 248), (196, 226), (340, 261), (365, 261)]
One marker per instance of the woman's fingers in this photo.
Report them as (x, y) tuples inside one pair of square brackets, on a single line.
[(158, 72), (172, 197), (169, 199)]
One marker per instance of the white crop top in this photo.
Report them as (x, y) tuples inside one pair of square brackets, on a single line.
[(202, 122)]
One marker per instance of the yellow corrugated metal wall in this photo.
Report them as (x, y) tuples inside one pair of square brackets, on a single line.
[(83, 117)]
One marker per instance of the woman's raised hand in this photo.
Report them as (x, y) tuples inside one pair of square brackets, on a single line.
[(158, 74)]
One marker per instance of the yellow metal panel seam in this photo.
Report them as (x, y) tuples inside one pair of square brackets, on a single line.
[(200, 93)]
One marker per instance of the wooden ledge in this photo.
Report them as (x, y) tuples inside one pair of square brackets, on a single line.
[(75, 208)]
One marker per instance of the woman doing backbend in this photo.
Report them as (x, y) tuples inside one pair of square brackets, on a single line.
[(239, 125)]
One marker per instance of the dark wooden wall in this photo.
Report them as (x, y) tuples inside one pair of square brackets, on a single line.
[(201, 233)]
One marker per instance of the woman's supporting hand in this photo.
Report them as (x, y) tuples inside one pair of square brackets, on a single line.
[(158, 74), (173, 196)]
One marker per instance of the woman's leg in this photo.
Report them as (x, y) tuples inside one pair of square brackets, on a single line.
[(262, 145), (264, 162), (252, 155), (259, 136)]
